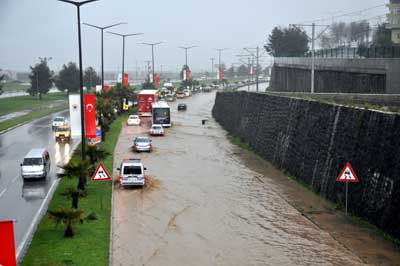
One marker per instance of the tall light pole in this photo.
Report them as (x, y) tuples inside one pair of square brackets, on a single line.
[(186, 48), (102, 49), (212, 67), (220, 50), (78, 5), (312, 39), (152, 55), (123, 47)]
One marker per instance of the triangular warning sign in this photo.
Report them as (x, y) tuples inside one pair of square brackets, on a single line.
[(347, 175), (100, 174)]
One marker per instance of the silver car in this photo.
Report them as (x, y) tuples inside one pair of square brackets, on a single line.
[(142, 144)]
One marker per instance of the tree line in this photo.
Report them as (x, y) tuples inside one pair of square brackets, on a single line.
[(42, 78), (293, 41)]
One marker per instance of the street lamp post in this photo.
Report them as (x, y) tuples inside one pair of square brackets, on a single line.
[(219, 63), (152, 55), (78, 5), (123, 47), (186, 48), (102, 50)]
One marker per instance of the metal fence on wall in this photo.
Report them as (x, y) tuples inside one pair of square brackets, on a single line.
[(359, 52)]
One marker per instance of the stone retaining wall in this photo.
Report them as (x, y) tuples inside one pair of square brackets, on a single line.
[(312, 141)]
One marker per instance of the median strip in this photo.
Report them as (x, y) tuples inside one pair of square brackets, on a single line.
[(90, 245)]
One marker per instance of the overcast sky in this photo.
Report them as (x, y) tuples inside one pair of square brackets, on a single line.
[(47, 28)]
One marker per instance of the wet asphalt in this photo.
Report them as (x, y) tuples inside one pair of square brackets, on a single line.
[(21, 200), (204, 206)]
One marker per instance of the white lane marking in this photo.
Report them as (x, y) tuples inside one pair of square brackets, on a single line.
[(15, 179), (2, 192), (35, 220), (8, 185)]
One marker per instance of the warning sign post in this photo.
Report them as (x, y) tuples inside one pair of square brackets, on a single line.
[(101, 174), (347, 175)]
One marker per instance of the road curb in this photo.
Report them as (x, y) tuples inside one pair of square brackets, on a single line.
[(27, 239)]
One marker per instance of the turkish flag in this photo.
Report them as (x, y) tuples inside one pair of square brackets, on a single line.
[(90, 115), (221, 74), (7, 245), (106, 88), (126, 79)]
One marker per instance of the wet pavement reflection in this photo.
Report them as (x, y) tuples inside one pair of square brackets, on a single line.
[(206, 207), (21, 199)]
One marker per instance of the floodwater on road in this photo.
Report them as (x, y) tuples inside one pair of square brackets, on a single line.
[(204, 206)]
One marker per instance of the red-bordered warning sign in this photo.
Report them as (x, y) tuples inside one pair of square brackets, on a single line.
[(101, 174), (347, 175)]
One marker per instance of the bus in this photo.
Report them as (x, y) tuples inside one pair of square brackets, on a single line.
[(145, 99), (161, 113)]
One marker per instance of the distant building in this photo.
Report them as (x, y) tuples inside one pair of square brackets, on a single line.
[(394, 20)]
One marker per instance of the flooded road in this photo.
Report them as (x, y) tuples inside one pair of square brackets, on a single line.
[(204, 206)]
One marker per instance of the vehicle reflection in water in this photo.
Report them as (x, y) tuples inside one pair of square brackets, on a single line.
[(62, 153), (57, 154), (34, 189)]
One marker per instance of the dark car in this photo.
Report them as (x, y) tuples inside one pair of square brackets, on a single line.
[(182, 107)]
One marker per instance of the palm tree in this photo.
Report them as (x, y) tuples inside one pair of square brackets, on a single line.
[(69, 217), (96, 154), (80, 169), (74, 194)]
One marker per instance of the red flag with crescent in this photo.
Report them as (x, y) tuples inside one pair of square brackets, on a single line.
[(90, 115), (7, 244)]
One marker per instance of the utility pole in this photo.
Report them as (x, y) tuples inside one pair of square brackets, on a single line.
[(312, 39), (123, 48), (152, 55), (102, 49), (212, 67), (78, 5)]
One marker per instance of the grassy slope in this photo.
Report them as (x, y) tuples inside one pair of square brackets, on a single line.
[(15, 104), (35, 114), (90, 246)]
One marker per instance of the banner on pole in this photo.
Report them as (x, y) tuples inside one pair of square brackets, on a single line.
[(7, 244), (75, 114), (221, 74), (90, 115), (155, 83), (126, 79)]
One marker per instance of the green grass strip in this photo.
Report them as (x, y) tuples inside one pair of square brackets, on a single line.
[(20, 103), (90, 245), (28, 117)]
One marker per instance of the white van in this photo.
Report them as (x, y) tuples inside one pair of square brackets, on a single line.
[(36, 164)]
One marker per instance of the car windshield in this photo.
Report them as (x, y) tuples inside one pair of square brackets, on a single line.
[(32, 161), (142, 140), (133, 117), (59, 129), (59, 119), (157, 127), (132, 170)]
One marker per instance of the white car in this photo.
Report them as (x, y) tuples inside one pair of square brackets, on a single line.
[(58, 122), (156, 130), (133, 120), (187, 93), (131, 173)]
